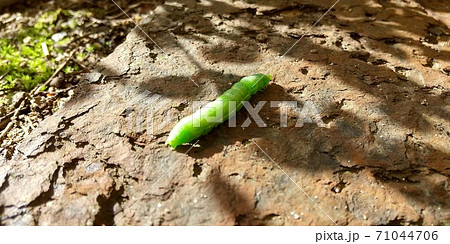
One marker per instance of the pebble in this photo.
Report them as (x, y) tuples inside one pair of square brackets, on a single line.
[(91, 168), (261, 37), (27, 40), (93, 77), (56, 82), (58, 36), (17, 98), (424, 102)]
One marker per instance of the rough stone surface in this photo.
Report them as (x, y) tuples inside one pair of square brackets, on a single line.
[(377, 72)]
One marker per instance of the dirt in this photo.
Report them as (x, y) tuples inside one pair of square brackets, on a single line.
[(377, 72)]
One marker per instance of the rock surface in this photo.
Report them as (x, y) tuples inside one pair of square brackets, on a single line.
[(376, 71)]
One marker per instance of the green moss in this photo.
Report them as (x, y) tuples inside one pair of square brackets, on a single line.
[(81, 56), (43, 88), (69, 69), (22, 59), (90, 48)]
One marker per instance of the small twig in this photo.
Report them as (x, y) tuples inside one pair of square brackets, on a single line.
[(25, 129), (13, 120), (22, 104), (82, 36), (1, 79), (38, 88), (6, 130), (2, 76), (27, 118), (8, 115), (84, 67), (5, 120), (60, 90)]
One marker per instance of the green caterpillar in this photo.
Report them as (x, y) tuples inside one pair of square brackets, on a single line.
[(225, 106)]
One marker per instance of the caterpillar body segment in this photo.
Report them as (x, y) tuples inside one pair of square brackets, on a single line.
[(216, 112)]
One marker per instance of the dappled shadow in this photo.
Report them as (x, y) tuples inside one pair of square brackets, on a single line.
[(389, 89), (231, 200), (234, 38), (392, 91)]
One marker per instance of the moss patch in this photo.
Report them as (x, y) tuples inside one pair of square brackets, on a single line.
[(32, 55)]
